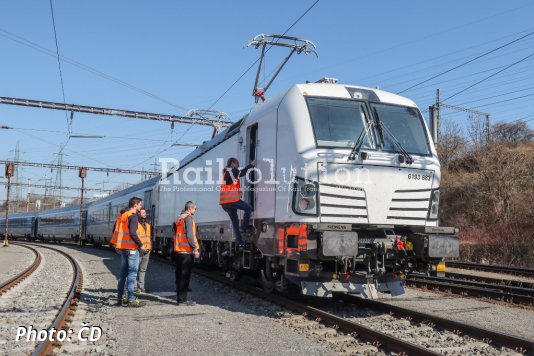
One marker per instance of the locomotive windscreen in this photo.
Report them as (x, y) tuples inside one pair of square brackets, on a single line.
[(407, 126), (339, 122)]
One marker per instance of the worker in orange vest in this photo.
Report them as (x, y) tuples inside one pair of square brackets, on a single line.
[(144, 233), (230, 197), (115, 227), (128, 245), (185, 247)]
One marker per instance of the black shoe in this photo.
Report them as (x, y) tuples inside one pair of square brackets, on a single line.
[(185, 302), (189, 303)]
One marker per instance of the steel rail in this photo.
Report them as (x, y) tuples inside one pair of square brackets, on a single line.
[(472, 290), (498, 281), (518, 344), (527, 272), (5, 286), (477, 284), (63, 317), (384, 340), (354, 329)]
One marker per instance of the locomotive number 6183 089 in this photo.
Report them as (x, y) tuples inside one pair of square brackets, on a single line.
[(416, 176)]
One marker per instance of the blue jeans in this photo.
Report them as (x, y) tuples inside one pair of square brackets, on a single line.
[(129, 264), (231, 209)]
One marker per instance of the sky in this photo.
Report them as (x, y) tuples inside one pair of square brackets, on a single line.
[(171, 56)]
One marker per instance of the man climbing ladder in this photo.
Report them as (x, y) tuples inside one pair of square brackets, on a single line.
[(230, 197)]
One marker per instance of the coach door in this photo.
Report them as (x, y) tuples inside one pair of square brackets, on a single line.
[(149, 207)]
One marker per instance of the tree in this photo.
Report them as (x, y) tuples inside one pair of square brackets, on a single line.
[(452, 144), (514, 132)]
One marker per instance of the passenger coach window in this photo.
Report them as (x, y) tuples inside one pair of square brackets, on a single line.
[(339, 123)]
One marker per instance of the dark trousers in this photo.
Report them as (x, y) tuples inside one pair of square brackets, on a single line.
[(184, 264), (231, 209)]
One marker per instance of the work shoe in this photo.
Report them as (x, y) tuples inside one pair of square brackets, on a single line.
[(136, 304), (188, 303)]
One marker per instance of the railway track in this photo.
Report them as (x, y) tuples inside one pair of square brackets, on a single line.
[(351, 328), (510, 294), (517, 344), (5, 286), (309, 312), (526, 272), (497, 281), (64, 316)]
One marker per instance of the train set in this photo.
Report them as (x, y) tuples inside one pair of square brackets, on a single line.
[(345, 195)]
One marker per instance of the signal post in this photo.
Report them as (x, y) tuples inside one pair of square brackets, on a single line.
[(10, 169)]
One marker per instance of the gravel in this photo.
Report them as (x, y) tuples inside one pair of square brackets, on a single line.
[(13, 260), (223, 322), (500, 318), (425, 335), (35, 301), (229, 322)]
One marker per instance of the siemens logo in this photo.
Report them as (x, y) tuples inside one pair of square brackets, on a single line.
[(333, 227), (337, 227)]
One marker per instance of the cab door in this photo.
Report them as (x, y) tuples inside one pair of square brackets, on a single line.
[(261, 146)]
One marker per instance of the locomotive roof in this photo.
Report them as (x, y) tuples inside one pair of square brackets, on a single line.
[(342, 91), (311, 89)]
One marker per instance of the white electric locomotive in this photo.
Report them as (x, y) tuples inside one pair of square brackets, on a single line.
[(345, 195), (345, 192)]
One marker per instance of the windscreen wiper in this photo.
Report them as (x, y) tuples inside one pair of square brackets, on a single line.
[(358, 144), (382, 128), (359, 141)]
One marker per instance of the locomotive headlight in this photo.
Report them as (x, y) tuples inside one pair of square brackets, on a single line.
[(434, 205), (306, 204), (308, 190), (304, 197)]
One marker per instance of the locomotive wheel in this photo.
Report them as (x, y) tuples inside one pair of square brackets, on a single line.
[(281, 285), (266, 282), (284, 287), (232, 275)]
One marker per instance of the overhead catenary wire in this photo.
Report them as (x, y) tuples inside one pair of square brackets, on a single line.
[(419, 73), (489, 77), (69, 123), (266, 50), (25, 42), (467, 62)]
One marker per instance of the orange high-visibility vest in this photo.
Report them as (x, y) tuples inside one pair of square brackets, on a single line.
[(181, 244), (144, 235), (230, 193), (116, 230), (124, 240)]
